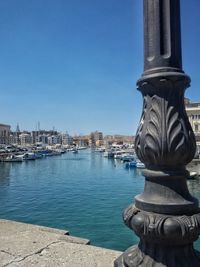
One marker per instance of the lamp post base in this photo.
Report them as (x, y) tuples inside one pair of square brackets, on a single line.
[(165, 240), (147, 254)]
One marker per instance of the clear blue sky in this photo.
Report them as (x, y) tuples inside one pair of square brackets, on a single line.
[(73, 64)]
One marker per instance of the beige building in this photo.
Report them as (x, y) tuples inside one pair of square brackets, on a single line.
[(4, 134), (96, 139), (25, 139), (193, 112), (119, 139)]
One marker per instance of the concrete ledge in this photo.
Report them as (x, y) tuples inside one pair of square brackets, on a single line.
[(31, 245), (23, 226)]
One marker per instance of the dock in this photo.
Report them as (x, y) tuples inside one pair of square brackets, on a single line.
[(23, 245)]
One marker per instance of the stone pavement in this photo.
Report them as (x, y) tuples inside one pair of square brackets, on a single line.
[(24, 245)]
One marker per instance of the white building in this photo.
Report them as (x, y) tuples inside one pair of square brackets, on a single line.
[(193, 112), (42, 138), (66, 139), (25, 139), (54, 140)]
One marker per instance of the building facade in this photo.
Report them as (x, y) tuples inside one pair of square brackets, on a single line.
[(193, 112), (96, 139), (41, 134), (4, 134), (25, 139), (81, 141)]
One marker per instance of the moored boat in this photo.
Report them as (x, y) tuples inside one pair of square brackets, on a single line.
[(12, 158), (27, 156), (109, 154), (140, 165), (193, 175), (127, 158)]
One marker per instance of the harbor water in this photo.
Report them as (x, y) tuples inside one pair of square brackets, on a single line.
[(83, 193)]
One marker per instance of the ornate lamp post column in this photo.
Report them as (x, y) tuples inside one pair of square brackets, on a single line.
[(165, 216)]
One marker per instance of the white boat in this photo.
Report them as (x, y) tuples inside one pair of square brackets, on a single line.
[(193, 175), (81, 147), (131, 164), (59, 150), (70, 149), (27, 156), (54, 153), (140, 165), (119, 154), (12, 158), (127, 157), (132, 161)]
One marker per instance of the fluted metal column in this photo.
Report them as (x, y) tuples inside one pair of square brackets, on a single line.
[(162, 37), (165, 216)]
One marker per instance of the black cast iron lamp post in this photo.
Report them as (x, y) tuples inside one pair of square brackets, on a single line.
[(165, 216)]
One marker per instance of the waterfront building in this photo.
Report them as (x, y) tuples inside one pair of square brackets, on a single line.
[(13, 139), (81, 141), (14, 136), (4, 134), (54, 140), (96, 139), (25, 139), (193, 112), (35, 134), (42, 139), (118, 139), (66, 139), (63, 138), (69, 139), (99, 143)]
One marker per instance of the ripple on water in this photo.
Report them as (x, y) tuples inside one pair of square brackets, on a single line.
[(84, 193)]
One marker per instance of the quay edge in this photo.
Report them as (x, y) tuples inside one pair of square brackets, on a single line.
[(23, 245)]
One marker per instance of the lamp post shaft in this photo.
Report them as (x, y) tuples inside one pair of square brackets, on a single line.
[(162, 35), (165, 216)]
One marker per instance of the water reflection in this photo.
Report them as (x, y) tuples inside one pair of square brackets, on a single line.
[(5, 174), (116, 162), (135, 171), (194, 187), (96, 159)]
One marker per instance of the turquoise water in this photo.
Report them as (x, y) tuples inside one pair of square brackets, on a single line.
[(83, 193)]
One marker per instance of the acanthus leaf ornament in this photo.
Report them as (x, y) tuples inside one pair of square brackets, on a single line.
[(164, 138)]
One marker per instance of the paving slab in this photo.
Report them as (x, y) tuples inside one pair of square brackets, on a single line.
[(27, 245), (6, 258)]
